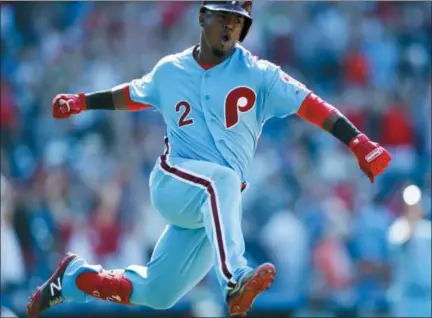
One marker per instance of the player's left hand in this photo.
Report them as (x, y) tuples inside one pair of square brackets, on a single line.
[(372, 158), (65, 105)]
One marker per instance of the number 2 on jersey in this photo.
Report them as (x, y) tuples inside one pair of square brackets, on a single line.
[(183, 121), (239, 100)]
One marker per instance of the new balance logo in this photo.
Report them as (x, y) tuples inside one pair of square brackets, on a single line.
[(57, 286)]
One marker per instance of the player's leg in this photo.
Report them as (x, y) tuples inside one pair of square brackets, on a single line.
[(182, 257), (221, 213), (180, 260)]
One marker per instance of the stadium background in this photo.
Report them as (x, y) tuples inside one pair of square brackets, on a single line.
[(82, 184)]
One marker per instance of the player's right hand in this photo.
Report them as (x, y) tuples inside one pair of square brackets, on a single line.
[(65, 105)]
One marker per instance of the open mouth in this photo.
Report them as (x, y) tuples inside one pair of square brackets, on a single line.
[(225, 39)]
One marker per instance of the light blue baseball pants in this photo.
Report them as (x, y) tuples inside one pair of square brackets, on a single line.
[(201, 202)]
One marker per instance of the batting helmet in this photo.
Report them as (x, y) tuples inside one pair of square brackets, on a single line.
[(244, 8)]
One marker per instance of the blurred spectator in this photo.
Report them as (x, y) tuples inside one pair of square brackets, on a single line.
[(409, 240), (12, 263), (286, 242), (332, 261), (369, 244)]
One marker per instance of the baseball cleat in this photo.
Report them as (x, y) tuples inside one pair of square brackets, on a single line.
[(49, 294), (240, 300)]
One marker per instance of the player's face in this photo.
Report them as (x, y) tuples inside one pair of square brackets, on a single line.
[(222, 31)]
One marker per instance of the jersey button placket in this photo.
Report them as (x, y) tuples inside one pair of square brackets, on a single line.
[(204, 85), (210, 118)]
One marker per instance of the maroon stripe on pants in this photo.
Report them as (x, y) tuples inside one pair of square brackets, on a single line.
[(214, 208)]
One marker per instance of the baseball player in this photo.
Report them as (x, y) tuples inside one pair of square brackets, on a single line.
[(215, 98)]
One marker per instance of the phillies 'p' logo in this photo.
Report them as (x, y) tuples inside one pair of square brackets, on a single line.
[(239, 100)]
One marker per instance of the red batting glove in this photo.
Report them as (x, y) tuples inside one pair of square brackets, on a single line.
[(372, 158), (65, 105)]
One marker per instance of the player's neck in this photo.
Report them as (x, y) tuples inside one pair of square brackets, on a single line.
[(204, 55)]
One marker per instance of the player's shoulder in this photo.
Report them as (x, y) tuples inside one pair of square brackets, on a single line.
[(254, 61), (268, 66), (174, 60)]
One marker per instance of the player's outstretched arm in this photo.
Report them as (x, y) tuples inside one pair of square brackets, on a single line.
[(117, 98), (372, 158)]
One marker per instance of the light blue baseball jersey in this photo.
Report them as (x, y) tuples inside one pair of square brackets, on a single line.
[(217, 115)]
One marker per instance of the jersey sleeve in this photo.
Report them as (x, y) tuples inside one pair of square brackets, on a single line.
[(145, 90), (283, 95)]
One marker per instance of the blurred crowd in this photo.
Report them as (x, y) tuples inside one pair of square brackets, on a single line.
[(81, 185)]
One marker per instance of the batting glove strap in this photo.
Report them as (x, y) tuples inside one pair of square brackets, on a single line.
[(357, 140)]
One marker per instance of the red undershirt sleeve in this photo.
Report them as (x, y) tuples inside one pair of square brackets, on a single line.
[(133, 106)]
